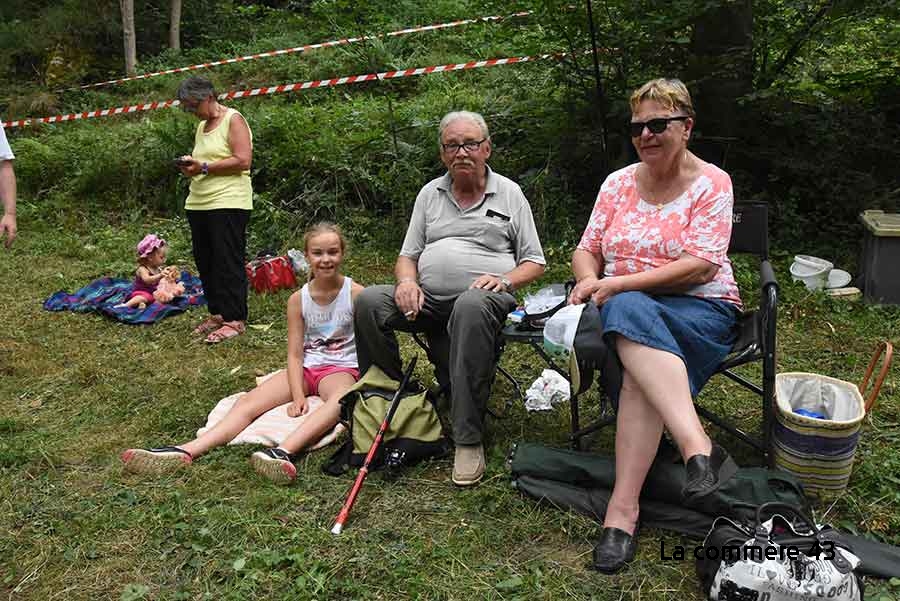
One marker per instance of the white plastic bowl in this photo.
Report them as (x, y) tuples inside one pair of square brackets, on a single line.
[(813, 280), (838, 278)]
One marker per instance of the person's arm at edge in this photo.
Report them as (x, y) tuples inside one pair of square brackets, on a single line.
[(8, 196)]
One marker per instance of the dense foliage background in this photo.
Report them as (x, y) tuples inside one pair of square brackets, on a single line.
[(797, 99)]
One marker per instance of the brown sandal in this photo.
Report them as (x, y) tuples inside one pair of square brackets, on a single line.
[(229, 329), (209, 324)]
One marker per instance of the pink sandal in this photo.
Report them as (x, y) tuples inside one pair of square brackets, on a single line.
[(229, 329), (209, 324)]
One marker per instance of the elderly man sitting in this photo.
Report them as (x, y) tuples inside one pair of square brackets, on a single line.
[(470, 243)]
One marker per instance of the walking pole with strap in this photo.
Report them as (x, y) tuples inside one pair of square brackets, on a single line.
[(364, 470)]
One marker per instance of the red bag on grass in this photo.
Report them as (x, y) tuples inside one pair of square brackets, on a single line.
[(268, 274)]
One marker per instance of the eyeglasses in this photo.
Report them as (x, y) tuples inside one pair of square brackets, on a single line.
[(468, 146), (656, 126)]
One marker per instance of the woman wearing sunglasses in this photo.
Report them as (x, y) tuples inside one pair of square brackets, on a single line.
[(653, 257), (218, 206)]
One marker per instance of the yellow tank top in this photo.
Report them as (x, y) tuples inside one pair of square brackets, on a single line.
[(218, 191)]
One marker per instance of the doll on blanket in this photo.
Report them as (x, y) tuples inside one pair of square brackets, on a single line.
[(169, 287), (152, 280)]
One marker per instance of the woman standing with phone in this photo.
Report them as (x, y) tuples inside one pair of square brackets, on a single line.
[(218, 206)]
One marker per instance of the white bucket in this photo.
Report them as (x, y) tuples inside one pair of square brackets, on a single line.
[(812, 271)]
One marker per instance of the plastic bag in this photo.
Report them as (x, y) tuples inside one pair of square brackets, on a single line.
[(545, 299), (548, 390), (559, 331)]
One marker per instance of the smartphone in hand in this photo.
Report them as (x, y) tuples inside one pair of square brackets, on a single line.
[(182, 162)]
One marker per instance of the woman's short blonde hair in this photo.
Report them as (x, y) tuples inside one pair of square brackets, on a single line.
[(670, 93)]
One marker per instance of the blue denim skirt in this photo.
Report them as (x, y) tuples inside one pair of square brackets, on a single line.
[(700, 331)]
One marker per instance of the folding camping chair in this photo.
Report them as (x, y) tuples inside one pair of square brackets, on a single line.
[(756, 337), (755, 342)]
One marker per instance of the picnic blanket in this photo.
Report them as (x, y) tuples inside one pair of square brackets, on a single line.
[(104, 294), (271, 427)]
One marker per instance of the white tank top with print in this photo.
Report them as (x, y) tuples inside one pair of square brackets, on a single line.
[(328, 337)]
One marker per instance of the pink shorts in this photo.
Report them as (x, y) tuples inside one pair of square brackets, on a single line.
[(143, 294), (313, 375)]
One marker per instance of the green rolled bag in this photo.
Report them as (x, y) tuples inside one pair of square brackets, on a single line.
[(591, 476)]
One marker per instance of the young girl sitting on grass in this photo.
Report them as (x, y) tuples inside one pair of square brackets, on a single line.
[(321, 360), (151, 251)]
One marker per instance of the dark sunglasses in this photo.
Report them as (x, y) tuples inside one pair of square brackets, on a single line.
[(656, 126)]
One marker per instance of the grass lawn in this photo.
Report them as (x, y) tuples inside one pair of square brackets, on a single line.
[(75, 390)]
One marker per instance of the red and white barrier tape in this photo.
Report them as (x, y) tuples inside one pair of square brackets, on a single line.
[(322, 83), (305, 48)]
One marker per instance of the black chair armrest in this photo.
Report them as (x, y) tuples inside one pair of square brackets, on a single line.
[(766, 275), (768, 303)]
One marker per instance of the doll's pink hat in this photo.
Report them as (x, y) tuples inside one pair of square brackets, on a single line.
[(150, 243)]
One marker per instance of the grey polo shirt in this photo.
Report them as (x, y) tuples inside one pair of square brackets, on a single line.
[(452, 246)]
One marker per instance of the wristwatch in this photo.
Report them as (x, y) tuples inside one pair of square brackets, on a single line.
[(204, 168), (507, 284)]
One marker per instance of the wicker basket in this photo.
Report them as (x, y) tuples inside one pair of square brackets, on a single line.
[(820, 451)]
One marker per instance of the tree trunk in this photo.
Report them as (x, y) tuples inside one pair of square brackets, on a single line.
[(175, 25), (721, 71), (128, 35)]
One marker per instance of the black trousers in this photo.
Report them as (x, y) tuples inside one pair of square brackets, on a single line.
[(219, 242)]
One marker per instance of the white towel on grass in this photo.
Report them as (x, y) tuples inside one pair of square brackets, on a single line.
[(271, 427)]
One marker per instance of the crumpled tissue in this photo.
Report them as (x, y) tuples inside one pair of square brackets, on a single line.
[(548, 390)]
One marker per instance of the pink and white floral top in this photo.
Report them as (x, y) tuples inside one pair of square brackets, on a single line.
[(630, 235)]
